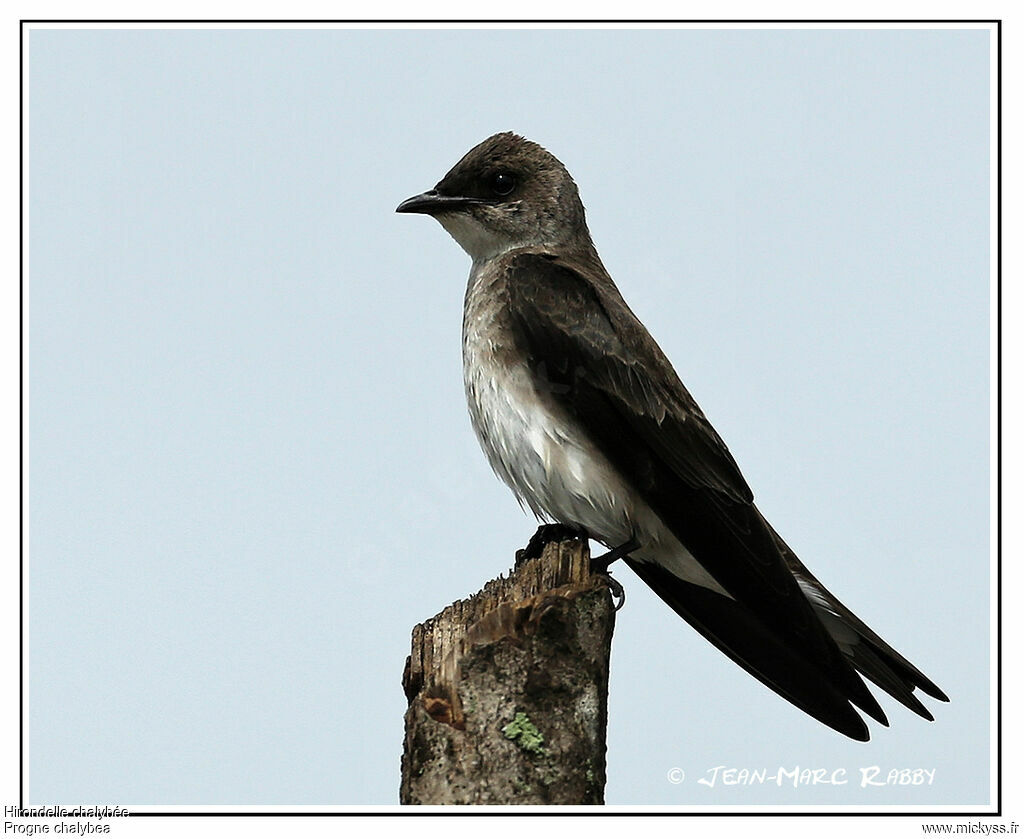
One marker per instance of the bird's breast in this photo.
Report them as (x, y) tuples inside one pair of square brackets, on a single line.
[(543, 453), (530, 440)]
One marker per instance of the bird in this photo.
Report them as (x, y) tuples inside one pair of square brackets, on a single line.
[(583, 416)]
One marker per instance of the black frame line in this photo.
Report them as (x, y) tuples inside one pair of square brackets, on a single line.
[(415, 811)]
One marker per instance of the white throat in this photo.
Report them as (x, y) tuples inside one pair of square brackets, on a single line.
[(479, 241)]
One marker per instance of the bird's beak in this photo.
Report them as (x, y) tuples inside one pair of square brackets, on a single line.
[(432, 201)]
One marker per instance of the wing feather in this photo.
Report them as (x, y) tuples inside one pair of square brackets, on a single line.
[(618, 384)]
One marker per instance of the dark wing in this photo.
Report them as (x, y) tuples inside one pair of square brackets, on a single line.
[(608, 372), (865, 649)]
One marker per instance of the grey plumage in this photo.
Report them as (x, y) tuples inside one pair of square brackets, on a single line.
[(579, 411)]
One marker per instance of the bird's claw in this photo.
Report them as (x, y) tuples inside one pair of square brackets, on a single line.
[(615, 588), (545, 535), (548, 533), (599, 567)]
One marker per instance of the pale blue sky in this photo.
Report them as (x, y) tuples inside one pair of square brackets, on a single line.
[(251, 466)]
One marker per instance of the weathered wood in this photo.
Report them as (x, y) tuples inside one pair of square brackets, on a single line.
[(508, 690)]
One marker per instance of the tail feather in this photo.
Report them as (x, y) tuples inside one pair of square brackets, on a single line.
[(866, 650), (741, 635), (810, 685), (862, 646), (868, 663)]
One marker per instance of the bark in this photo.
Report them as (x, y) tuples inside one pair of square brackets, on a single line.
[(508, 690)]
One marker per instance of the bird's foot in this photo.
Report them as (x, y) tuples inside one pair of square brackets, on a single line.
[(599, 564), (615, 588), (545, 535), (599, 568)]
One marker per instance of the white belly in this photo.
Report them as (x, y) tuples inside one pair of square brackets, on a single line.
[(551, 466)]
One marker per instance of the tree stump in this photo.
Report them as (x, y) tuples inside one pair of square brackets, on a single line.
[(508, 690)]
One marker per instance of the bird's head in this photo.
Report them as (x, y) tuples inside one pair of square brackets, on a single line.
[(505, 193)]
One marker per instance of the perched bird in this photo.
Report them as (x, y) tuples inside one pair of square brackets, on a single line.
[(579, 411)]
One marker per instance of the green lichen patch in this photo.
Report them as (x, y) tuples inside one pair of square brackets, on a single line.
[(525, 735), (521, 787)]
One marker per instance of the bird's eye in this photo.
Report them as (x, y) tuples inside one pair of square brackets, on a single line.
[(503, 183)]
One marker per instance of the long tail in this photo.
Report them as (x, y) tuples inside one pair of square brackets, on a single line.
[(810, 685), (745, 638), (863, 647), (865, 650)]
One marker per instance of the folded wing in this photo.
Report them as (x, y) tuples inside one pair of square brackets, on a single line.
[(623, 391)]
